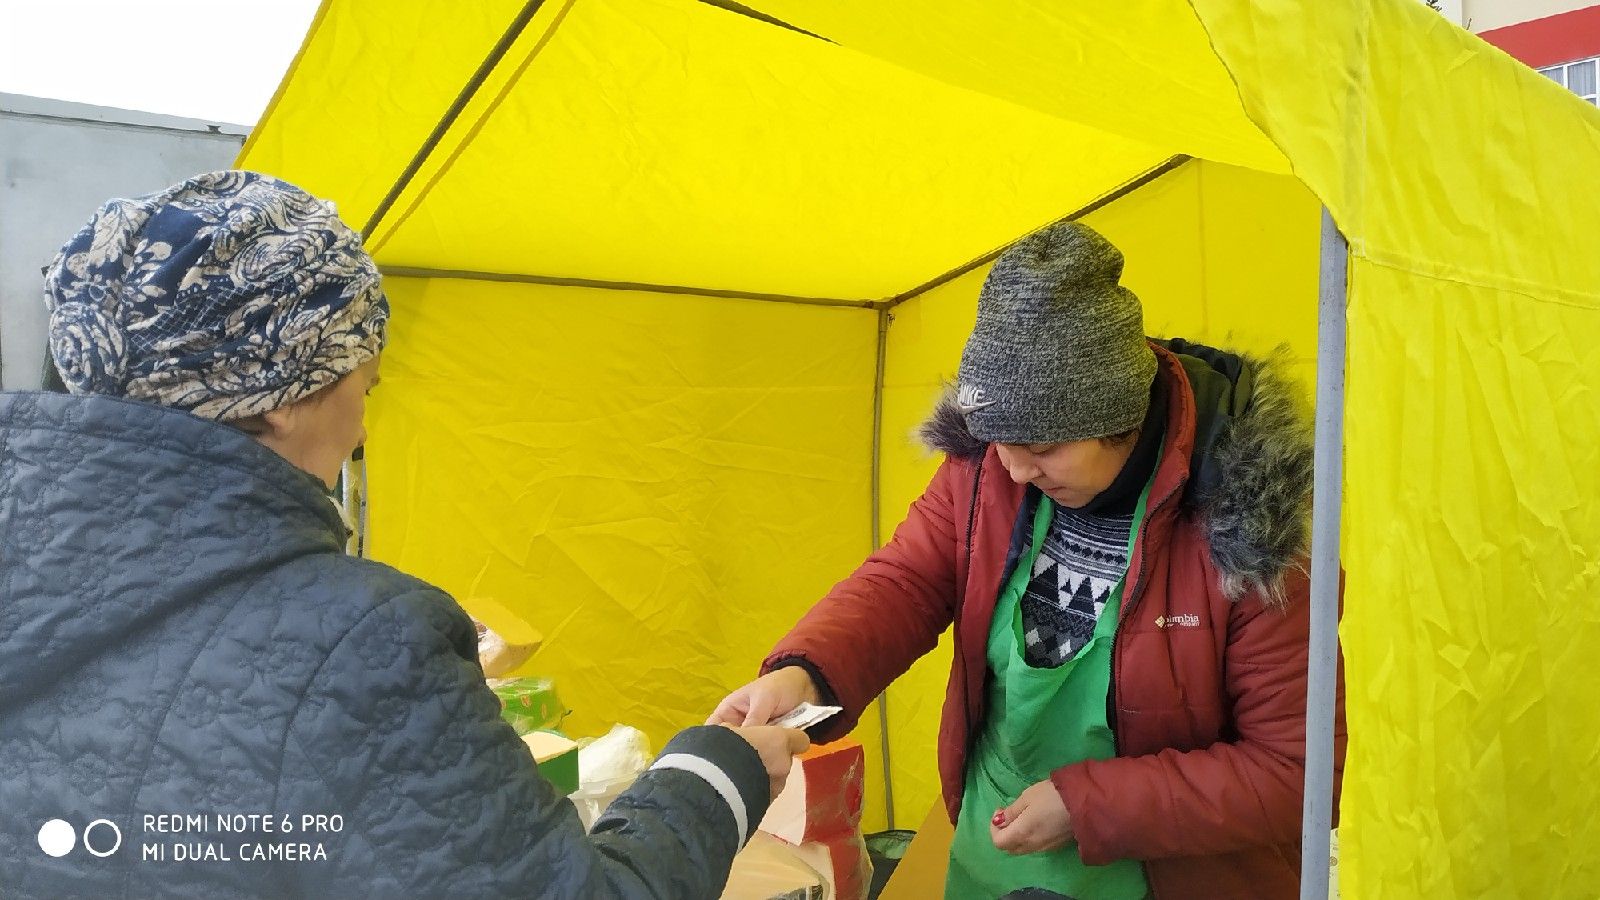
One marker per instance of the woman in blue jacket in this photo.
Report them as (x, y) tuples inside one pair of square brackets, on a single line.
[(200, 694)]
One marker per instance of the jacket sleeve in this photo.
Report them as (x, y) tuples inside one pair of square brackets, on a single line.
[(399, 735), (1230, 796), (873, 625)]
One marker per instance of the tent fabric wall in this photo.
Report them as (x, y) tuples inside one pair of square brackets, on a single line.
[(1215, 252), (925, 337), (1474, 541), (658, 487), (1472, 440), (673, 143)]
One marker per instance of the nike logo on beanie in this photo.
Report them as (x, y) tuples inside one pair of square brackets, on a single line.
[(970, 399)]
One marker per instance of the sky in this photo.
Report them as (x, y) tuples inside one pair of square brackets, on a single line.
[(219, 60)]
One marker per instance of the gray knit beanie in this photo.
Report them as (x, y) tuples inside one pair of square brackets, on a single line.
[(1059, 351)]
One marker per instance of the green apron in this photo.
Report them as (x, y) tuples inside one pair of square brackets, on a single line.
[(1038, 720)]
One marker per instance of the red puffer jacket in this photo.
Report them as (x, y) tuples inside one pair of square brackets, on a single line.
[(1209, 661)]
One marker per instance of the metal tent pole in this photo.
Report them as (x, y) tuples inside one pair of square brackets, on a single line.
[(877, 503), (1326, 504)]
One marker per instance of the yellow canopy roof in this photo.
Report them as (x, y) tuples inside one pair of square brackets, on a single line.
[(676, 143), (669, 142)]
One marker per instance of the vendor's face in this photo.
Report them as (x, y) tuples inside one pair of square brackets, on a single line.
[(1070, 473), (320, 432)]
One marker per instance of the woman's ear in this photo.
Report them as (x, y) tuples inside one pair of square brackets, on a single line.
[(279, 424)]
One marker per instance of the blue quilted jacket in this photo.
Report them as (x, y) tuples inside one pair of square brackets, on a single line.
[(201, 696)]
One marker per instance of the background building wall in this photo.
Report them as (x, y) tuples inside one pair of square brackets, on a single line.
[(1486, 15), (58, 162)]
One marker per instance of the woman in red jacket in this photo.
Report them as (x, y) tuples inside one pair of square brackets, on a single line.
[(1117, 534)]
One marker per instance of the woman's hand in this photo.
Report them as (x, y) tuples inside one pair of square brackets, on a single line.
[(777, 748), (766, 698), (1036, 821)]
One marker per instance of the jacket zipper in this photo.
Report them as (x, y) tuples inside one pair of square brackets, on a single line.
[(1116, 641), (961, 601), (1116, 637)]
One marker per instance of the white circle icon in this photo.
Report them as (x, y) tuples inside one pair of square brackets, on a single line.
[(57, 838), (114, 830)]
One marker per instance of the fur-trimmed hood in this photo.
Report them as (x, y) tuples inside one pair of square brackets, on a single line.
[(1250, 474)]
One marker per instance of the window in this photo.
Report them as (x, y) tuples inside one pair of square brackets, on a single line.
[(1578, 77)]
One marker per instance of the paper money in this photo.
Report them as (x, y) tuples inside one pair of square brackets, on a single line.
[(805, 715)]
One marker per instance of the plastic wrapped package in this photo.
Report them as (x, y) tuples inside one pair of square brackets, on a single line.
[(557, 758), (843, 863), (498, 656), (769, 868), (819, 814), (608, 765), (529, 704)]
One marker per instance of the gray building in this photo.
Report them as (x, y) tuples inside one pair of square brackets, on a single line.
[(58, 162)]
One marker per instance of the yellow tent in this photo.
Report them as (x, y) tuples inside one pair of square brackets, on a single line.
[(673, 279)]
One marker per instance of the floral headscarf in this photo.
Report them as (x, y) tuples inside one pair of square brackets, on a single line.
[(228, 295)]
